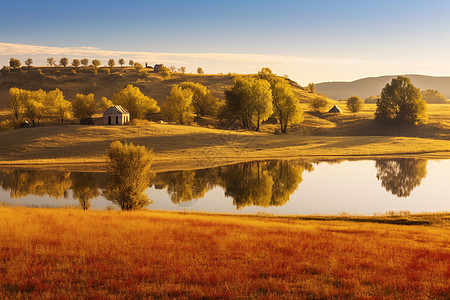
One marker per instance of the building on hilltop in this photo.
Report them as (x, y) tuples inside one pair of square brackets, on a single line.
[(116, 115)]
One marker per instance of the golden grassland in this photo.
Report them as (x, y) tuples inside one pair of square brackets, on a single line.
[(190, 147), (68, 253)]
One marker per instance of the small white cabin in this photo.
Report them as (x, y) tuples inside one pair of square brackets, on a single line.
[(116, 115)]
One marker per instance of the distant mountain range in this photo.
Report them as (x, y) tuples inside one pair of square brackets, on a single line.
[(372, 86)]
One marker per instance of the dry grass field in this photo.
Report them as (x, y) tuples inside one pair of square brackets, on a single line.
[(64, 253)]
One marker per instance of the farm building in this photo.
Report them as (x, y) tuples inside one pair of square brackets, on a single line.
[(335, 109), (157, 67), (116, 115)]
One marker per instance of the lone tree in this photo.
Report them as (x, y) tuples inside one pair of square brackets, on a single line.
[(111, 63), (354, 104), (200, 70), (131, 63), (76, 63), (136, 103), (64, 61), (16, 102), (286, 105), (29, 62), (85, 62), (121, 62), (96, 63), (401, 101), (138, 66), (51, 61), (172, 69), (250, 100), (177, 106), (318, 104), (182, 69), (129, 168), (202, 101), (83, 106), (14, 63)]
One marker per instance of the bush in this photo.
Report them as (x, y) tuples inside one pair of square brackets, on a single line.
[(318, 104), (73, 72), (354, 104), (143, 73), (83, 106), (129, 168)]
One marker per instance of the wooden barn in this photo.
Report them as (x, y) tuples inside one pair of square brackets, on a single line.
[(116, 115)]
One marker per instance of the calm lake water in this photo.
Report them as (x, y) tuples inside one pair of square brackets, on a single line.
[(279, 187)]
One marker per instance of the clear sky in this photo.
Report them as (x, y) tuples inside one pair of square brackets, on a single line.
[(311, 41)]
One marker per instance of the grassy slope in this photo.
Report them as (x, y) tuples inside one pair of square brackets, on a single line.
[(178, 147), (98, 254)]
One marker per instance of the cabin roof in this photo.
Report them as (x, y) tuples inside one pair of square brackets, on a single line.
[(116, 109)]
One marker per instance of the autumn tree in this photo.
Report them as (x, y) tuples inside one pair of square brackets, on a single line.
[(131, 63), (312, 87), (164, 72), (203, 102), (138, 67), (58, 106), (200, 70), (433, 96), (318, 103), (249, 99), (51, 61), (172, 69), (14, 63), (286, 105), (64, 61), (29, 62), (177, 106), (83, 106), (354, 104), (182, 69), (96, 63), (136, 103), (76, 63), (401, 101), (17, 99), (266, 74), (121, 62), (34, 106), (85, 62), (129, 169), (111, 63)]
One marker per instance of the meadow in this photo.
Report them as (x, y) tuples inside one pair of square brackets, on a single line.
[(69, 253)]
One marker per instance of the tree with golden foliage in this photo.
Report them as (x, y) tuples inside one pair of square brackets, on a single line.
[(354, 104), (202, 100), (164, 72), (286, 105), (129, 168), (318, 104), (58, 106), (135, 102), (401, 101), (177, 106), (83, 106)]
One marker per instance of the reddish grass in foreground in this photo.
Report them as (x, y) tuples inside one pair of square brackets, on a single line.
[(48, 253)]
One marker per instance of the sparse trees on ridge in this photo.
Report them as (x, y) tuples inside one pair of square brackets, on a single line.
[(111, 63), (131, 63), (136, 103), (182, 69), (64, 61), (29, 62), (76, 63), (14, 63), (200, 70), (85, 62), (401, 101), (96, 63), (121, 62), (172, 69), (51, 62)]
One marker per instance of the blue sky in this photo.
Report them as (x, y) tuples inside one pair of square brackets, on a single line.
[(320, 40)]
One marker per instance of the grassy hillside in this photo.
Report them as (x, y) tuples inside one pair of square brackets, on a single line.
[(105, 85), (372, 86), (72, 253)]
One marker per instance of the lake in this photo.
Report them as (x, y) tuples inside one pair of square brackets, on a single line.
[(363, 187)]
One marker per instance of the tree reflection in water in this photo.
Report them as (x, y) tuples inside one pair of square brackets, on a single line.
[(261, 183), (400, 176), (84, 188)]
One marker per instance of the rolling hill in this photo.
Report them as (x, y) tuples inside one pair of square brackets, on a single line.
[(101, 85), (371, 86)]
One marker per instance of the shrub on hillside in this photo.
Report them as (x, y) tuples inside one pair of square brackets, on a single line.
[(354, 104), (318, 104)]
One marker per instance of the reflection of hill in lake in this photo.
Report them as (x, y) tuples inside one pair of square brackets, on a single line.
[(257, 183)]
